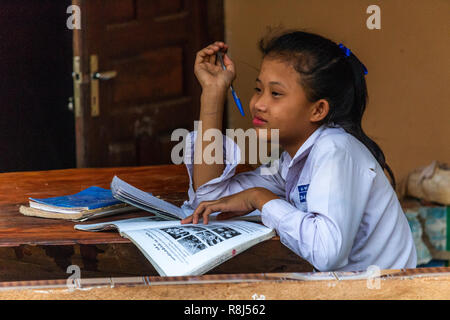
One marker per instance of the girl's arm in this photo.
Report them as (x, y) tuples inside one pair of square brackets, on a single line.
[(235, 205), (211, 181), (336, 199), (214, 82), (229, 183)]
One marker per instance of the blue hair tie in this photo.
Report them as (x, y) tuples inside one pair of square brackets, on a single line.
[(348, 52)]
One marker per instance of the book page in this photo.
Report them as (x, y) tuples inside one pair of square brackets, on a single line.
[(46, 207), (137, 203), (127, 224), (136, 197), (178, 249), (254, 216), (107, 212)]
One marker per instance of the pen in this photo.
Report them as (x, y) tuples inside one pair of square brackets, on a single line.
[(235, 97)]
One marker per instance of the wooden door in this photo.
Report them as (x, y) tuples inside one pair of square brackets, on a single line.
[(133, 76)]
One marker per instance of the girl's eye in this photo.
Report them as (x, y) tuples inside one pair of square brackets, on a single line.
[(276, 94), (258, 90)]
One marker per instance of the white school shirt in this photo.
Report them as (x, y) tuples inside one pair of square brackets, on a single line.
[(336, 207)]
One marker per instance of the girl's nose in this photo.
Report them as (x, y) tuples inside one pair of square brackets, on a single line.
[(260, 103)]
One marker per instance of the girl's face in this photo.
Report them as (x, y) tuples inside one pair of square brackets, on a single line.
[(279, 102)]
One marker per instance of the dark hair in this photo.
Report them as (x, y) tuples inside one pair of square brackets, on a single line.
[(328, 73)]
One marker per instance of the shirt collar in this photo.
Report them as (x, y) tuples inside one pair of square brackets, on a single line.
[(305, 147)]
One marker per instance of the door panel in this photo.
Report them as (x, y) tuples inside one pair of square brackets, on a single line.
[(144, 54), (136, 83)]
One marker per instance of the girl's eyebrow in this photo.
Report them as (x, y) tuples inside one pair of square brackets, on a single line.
[(272, 82)]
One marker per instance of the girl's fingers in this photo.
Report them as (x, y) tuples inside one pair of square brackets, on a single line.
[(212, 49), (190, 218), (187, 220), (204, 55), (203, 210), (205, 215), (220, 45), (210, 209), (228, 63), (208, 54), (213, 59), (200, 209), (200, 57), (197, 212)]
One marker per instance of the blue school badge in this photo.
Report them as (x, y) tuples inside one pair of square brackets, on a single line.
[(302, 190)]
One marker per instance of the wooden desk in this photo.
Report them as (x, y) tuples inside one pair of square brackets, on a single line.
[(36, 248), (426, 283)]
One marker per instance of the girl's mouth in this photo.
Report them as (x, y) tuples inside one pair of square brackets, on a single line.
[(258, 121)]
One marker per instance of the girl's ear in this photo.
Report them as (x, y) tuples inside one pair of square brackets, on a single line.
[(319, 110)]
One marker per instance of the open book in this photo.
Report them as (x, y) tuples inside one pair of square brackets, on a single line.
[(181, 250), (175, 249), (146, 201)]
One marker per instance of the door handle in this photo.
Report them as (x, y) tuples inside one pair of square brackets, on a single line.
[(96, 76), (107, 75)]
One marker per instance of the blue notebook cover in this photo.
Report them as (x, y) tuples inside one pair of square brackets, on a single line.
[(90, 198)]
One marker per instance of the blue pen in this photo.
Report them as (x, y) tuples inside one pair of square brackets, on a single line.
[(235, 97)]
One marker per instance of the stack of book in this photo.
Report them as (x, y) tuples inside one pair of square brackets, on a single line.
[(93, 202)]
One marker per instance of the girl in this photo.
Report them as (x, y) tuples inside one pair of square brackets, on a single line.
[(330, 201)]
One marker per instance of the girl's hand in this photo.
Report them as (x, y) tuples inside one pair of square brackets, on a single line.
[(208, 69), (238, 204)]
